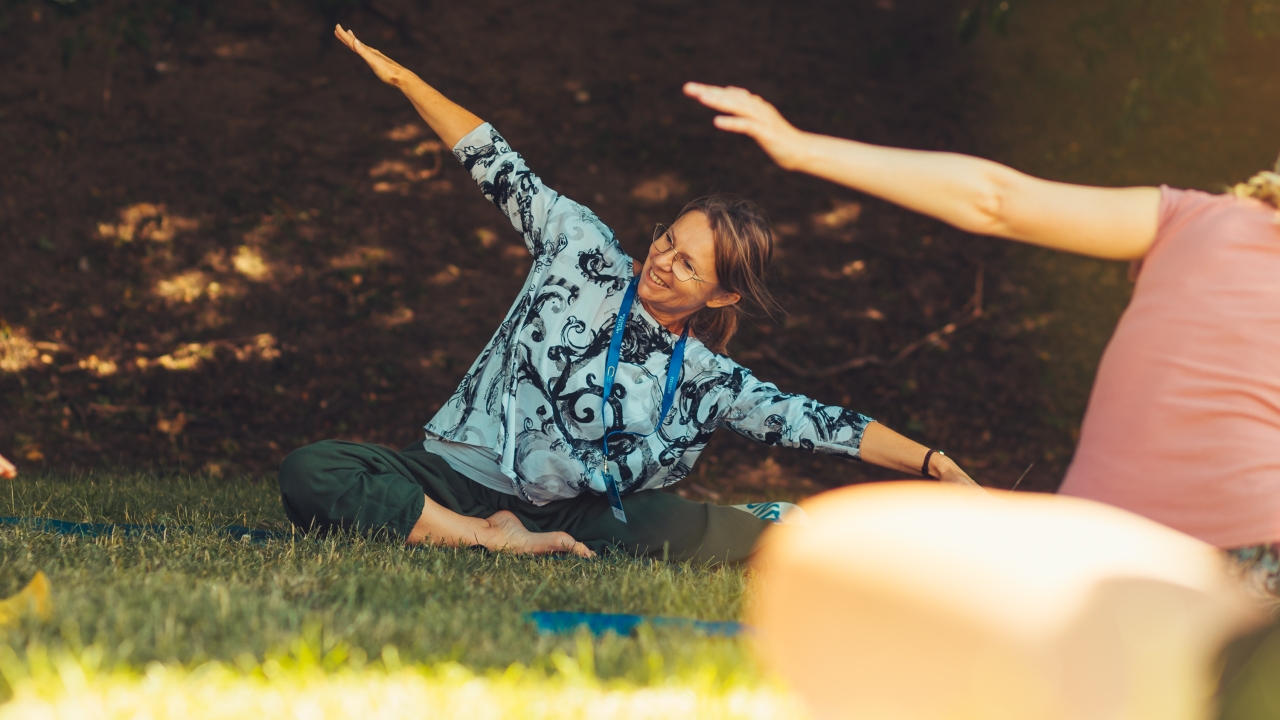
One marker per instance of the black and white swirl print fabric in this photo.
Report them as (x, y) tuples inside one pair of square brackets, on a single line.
[(533, 396)]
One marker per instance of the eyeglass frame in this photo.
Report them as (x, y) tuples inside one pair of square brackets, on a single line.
[(662, 231)]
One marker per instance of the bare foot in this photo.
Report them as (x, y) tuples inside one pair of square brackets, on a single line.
[(7, 470), (508, 533)]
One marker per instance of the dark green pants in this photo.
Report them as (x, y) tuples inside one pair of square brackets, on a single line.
[(370, 488)]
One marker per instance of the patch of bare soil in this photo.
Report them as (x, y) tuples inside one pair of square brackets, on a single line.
[(238, 242)]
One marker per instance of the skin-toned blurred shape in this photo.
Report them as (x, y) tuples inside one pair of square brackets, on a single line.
[(996, 606), (7, 470)]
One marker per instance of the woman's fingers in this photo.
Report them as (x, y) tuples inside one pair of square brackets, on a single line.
[(387, 70), (735, 124), (349, 39), (753, 116), (961, 478), (716, 98), (345, 36), (731, 100)]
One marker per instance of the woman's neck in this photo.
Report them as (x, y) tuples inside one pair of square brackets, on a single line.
[(674, 323)]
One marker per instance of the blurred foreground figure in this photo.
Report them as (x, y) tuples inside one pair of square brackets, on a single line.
[(912, 601), (1183, 424), (7, 470)]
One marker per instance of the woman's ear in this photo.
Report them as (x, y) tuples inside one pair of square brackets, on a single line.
[(724, 299)]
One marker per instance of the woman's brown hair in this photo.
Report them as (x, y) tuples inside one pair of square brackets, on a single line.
[(1264, 186), (744, 248)]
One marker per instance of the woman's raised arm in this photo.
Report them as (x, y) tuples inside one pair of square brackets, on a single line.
[(448, 119), (975, 195)]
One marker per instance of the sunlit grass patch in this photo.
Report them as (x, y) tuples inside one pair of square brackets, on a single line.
[(193, 610), (76, 689)]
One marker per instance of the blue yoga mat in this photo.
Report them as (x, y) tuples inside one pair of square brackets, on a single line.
[(623, 624), (62, 527)]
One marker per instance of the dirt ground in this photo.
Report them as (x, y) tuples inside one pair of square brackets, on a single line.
[(252, 244)]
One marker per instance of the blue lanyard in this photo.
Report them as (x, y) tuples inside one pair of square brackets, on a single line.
[(610, 373)]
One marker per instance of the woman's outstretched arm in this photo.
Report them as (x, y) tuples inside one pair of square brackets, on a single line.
[(448, 119), (499, 171), (888, 449), (975, 195), (764, 413)]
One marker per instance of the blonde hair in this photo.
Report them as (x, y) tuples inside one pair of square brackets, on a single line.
[(744, 248), (1264, 186)]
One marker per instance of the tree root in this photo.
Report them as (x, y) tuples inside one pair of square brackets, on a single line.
[(933, 338)]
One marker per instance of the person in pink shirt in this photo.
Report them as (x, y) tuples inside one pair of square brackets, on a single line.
[(1183, 424)]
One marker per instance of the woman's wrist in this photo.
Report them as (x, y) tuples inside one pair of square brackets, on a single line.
[(798, 150), (408, 82), (939, 464)]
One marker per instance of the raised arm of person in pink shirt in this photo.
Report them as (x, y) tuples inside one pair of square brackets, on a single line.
[(975, 195)]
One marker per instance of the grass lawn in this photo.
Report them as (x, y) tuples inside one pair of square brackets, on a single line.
[(195, 623)]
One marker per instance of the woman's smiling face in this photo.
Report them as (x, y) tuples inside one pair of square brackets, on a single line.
[(692, 243)]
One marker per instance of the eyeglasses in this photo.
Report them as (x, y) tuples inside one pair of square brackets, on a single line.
[(680, 266)]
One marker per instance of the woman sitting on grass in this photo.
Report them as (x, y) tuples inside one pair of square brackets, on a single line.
[(1183, 424), (525, 455)]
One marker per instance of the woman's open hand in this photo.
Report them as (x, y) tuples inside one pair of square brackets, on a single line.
[(752, 115), (388, 71), (949, 473)]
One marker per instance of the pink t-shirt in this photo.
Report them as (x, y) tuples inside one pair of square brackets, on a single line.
[(1183, 424)]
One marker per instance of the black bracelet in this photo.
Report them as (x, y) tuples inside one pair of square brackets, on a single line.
[(924, 469)]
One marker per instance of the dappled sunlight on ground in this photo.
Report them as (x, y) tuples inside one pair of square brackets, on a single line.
[(187, 287), (399, 316), (249, 262), (17, 352), (97, 366), (251, 182), (360, 257), (407, 132), (660, 189), (842, 214), (180, 303), (402, 176), (189, 356), (146, 221)]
